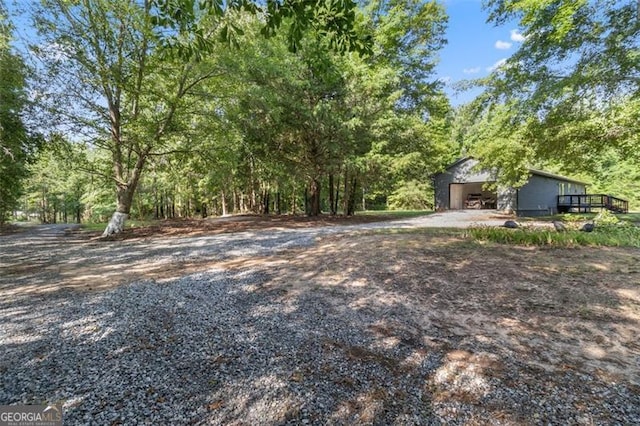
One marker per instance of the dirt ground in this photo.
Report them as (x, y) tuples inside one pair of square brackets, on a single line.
[(587, 299), (240, 223), (559, 312)]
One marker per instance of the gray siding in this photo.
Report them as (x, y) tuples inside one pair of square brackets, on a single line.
[(462, 172), (538, 197)]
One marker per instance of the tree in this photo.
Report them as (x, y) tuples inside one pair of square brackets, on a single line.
[(57, 182), (332, 21), (570, 94), (114, 82), (16, 145), (125, 68), (570, 49)]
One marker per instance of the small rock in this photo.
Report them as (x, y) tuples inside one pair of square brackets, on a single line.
[(511, 224), (559, 226), (588, 227)]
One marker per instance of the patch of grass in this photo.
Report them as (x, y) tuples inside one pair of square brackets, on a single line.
[(625, 235), (580, 217), (396, 213), (445, 232), (631, 217)]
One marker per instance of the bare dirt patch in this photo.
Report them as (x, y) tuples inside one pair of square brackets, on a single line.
[(238, 223), (573, 307)]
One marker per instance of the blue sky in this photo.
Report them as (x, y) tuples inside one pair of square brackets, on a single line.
[(474, 46)]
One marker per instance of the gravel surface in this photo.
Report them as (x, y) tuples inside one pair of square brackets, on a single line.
[(248, 346)]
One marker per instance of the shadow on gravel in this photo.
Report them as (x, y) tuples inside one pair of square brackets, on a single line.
[(376, 329)]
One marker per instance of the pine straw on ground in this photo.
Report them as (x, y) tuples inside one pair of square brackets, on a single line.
[(238, 223)]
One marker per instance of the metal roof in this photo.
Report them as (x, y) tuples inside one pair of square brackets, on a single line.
[(556, 177), (532, 171)]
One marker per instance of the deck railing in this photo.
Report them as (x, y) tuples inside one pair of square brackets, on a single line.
[(584, 203)]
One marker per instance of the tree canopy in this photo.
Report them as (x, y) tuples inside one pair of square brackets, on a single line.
[(16, 145), (569, 96), (202, 107)]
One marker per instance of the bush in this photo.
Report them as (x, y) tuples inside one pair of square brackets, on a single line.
[(411, 195), (606, 218)]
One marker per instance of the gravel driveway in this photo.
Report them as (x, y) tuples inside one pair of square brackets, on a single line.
[(263, 344)]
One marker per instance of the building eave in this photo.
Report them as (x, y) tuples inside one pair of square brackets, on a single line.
[(556, 177)]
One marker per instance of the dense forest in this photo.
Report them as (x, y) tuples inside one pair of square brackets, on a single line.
[(180, 108)]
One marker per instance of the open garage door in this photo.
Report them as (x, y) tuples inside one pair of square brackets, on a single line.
[(471, 195)]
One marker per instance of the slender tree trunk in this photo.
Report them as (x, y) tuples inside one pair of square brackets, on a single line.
[(293, 201), (223, 199), (43, 206), (278, 205), (345, 194), (332, 207), (337, 196), (265, 201), (156, 203), (235, 201), (352, 197), (364, 200)]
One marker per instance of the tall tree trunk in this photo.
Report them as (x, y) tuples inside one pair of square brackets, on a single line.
[(364, 200), (293, 201), (278, 205), (124, 197), (265, 201), (43, 206), (345, 194), (336, 198), (332, 207), (235, 201), (223, 199), (352, 197), (314, 202)]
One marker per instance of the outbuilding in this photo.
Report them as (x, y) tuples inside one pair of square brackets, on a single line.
[(463, 186)]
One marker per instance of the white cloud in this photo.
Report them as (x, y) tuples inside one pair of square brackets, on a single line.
[(517, 36), (499, 64), (503, 45), (474, 70)]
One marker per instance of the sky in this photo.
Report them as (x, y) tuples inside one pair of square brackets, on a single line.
[(474, 46)]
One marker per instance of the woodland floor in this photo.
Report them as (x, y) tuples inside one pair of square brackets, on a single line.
[(485, 333)]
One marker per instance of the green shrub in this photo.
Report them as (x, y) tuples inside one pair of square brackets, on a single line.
[(606, 218), (412, 195), (572, 218)]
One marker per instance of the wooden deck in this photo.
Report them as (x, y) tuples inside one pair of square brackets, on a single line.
[(585, 203)]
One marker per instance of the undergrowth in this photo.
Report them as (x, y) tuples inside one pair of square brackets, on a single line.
[(609, 232)]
